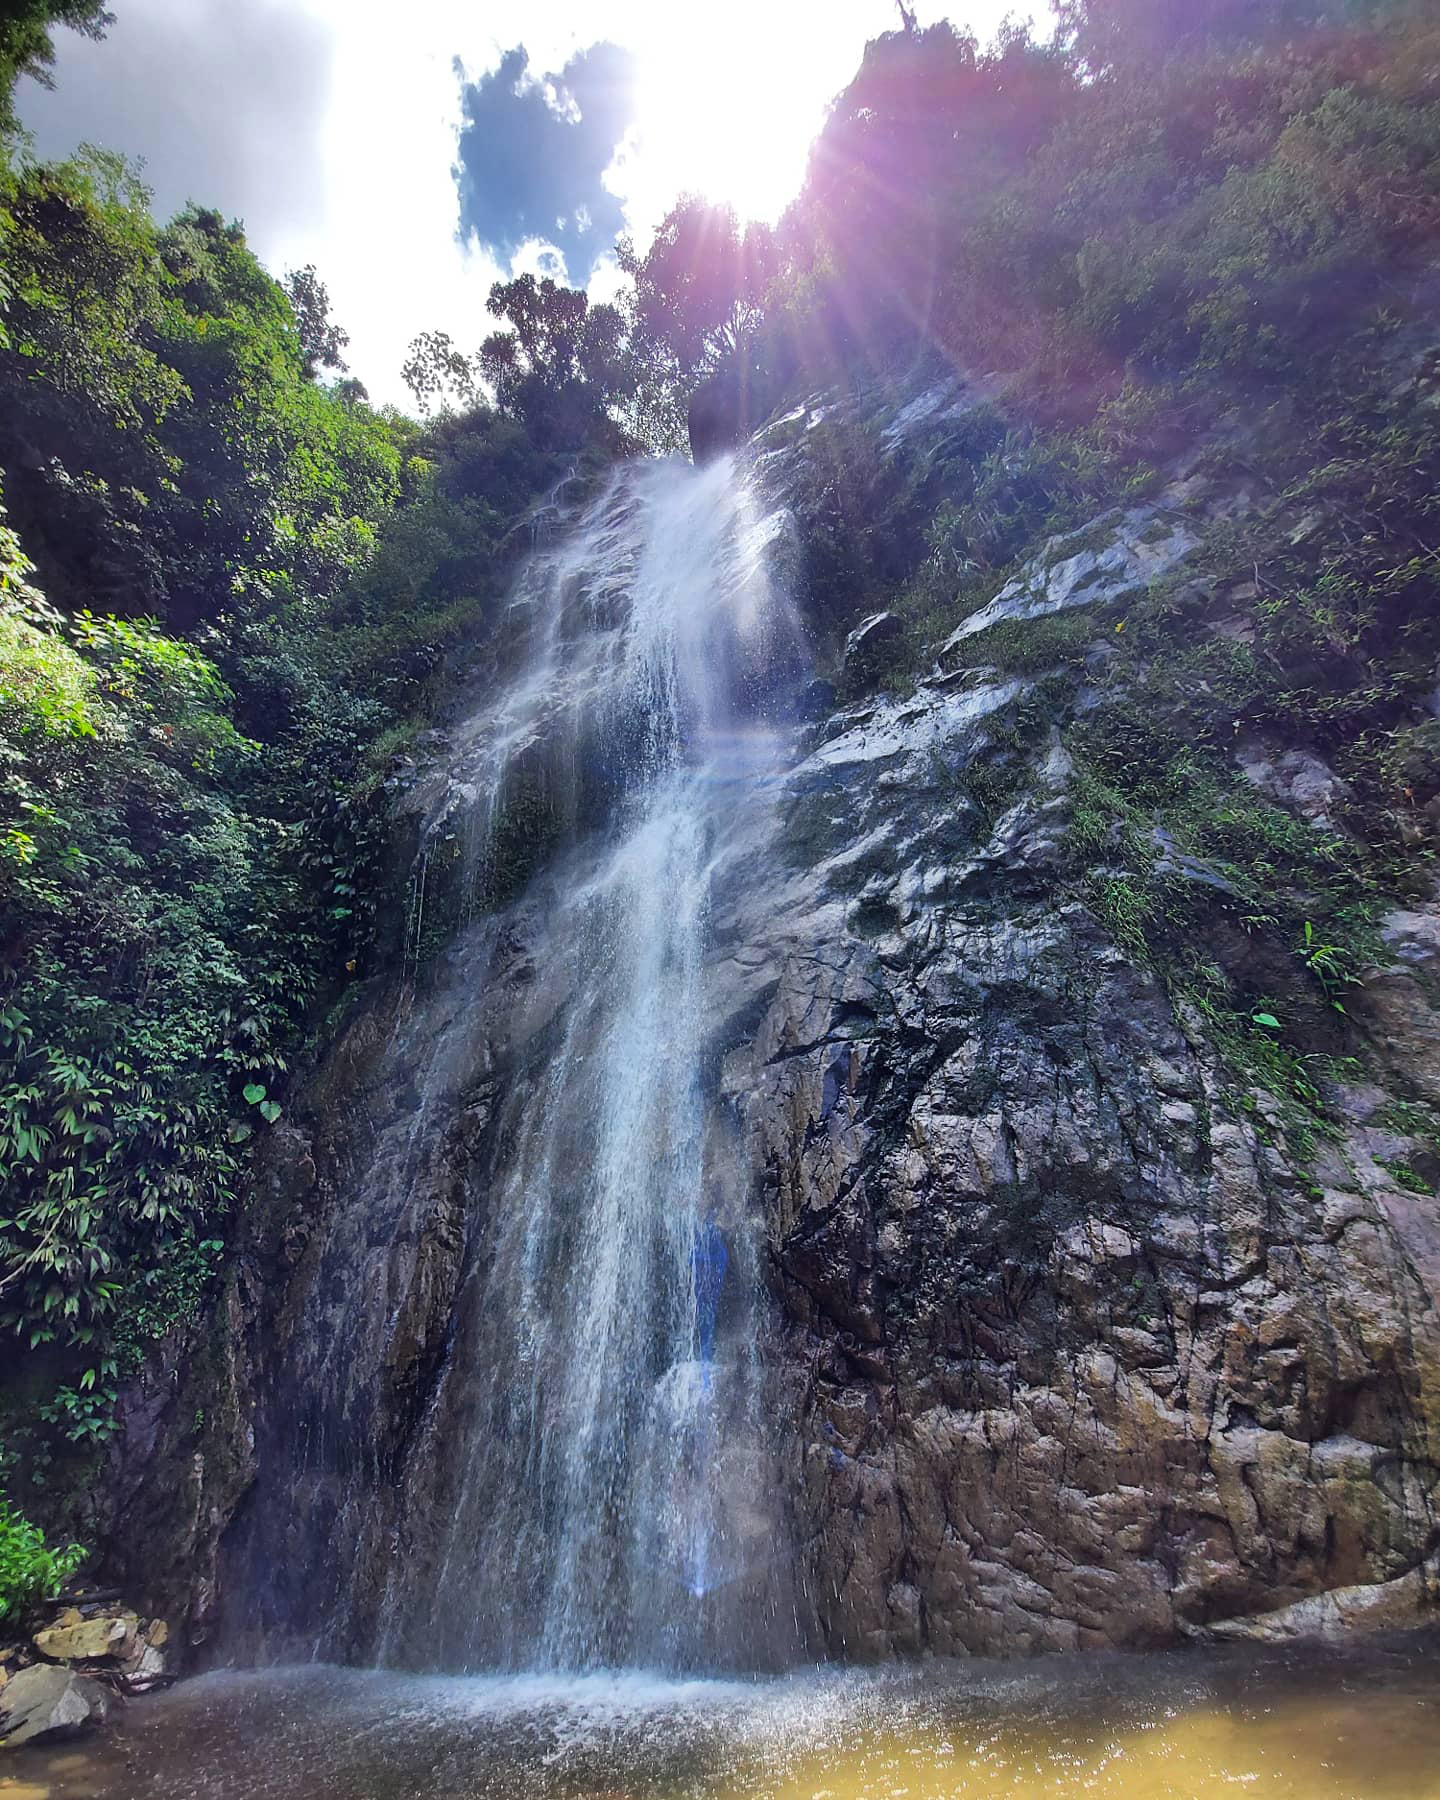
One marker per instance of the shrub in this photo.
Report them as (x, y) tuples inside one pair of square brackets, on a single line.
[(29, 1570)]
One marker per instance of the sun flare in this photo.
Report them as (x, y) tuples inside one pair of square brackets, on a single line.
[(718, 117)]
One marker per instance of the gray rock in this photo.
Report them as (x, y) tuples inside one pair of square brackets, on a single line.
[(1297, 779), (46, 1701), (147, 1671), (1395, 1605), (868, 643), (1396, 1002), (1134, 549)]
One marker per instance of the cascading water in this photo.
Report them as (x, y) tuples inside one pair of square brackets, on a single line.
[(589, 1482)]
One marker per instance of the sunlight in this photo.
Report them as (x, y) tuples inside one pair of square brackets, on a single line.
[(740, 133), (730, 114)]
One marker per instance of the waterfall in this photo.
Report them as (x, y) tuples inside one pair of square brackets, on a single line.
[(589, 1483)]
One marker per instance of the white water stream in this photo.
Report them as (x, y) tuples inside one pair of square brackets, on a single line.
[(600, 1408)]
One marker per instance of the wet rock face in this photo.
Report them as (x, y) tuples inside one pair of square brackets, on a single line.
[(1080, 1355), (1070, 1344)]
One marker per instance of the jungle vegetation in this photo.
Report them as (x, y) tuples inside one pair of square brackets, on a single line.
[(231, 589)]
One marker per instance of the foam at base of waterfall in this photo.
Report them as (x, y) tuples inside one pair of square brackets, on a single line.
[(1308, 1723)]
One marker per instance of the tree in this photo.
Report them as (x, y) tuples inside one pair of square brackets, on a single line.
[(561, 367), (1107, 33), (559, 349), (434, 370), (930, 126), (26, 46), (321, 339), (699, 287), (156, 427)]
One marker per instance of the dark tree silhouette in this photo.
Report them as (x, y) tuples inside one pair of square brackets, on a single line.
[(321, 339)]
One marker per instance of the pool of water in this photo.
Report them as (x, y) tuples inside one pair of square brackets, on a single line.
[(1307, 1722)]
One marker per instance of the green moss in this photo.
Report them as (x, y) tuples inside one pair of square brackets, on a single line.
[(1411, 1118), (461, 874), (527, 827), (1166, 842), (993, 785), (1027, 646), (1409, 1179)]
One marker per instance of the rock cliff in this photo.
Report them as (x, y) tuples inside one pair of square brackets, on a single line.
[(1081, 1329)]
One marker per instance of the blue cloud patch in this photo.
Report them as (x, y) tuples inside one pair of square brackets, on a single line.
[(533, 151)]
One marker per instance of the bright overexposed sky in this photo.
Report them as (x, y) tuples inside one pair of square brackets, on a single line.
[(330, 126)]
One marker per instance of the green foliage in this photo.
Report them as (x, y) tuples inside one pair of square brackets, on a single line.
[(84, 1414), (1413, 1119), (1330, 641), (236, 593), (29, 1570), (46, 687), (162, 445), (322, 341), (27, 45), (562, 369), (1161, 195), (154, 1301)]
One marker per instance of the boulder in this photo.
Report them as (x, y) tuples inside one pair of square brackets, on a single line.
[(45, 1701), (146, 1672), (89, 1640), (871, 640)]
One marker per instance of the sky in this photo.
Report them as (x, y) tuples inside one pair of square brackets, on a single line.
[(417, 154)]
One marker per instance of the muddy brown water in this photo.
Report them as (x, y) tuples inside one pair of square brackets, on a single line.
[(1307, 1723)]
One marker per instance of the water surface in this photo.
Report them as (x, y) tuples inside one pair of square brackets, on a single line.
[(1305, 1723)]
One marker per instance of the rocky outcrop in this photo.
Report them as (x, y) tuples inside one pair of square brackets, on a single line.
[(1120, 553), (1076, 1339), (102, 1638), (1084, 1349), (868, 645), (1399, 1001), (61, 1679)]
